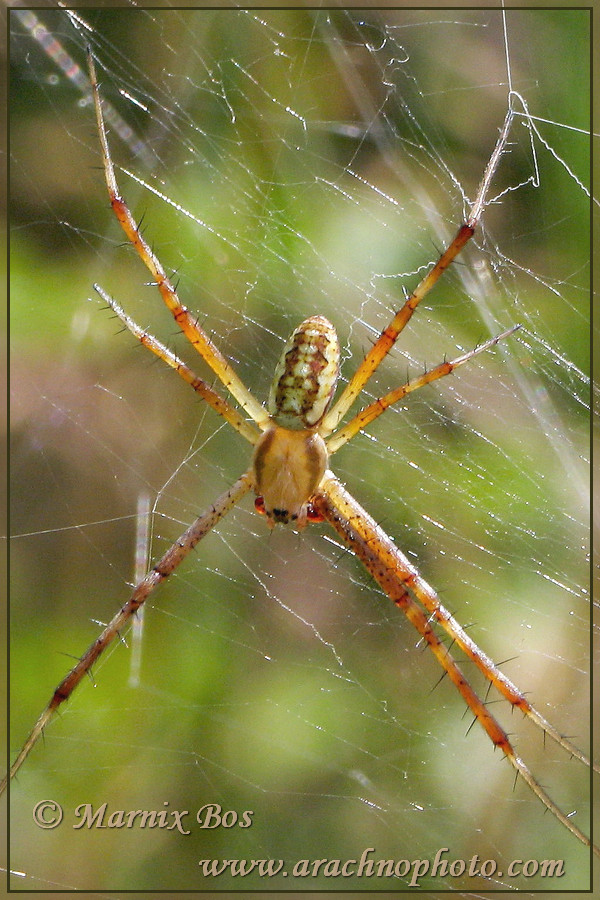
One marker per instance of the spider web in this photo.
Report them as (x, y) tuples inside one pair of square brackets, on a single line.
[(291, 163)]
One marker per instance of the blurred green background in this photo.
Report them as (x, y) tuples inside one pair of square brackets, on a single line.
[(315, 162)]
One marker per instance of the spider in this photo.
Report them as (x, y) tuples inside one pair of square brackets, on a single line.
[(293, 439)]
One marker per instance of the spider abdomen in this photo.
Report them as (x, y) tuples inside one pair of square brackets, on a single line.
[(306, 375)]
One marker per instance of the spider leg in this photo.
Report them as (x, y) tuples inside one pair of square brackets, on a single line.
[(184, 319), (165, 567), (397, 577), (398, 564), (375, 409), (221, 406), (389, 335)]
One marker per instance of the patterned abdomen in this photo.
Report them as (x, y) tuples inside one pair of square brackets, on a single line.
[(306, 375)]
